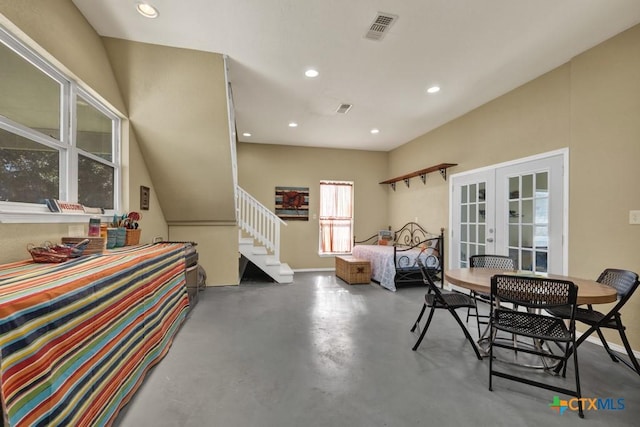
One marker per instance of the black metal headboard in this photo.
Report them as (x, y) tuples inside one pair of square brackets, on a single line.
[(411, 234)]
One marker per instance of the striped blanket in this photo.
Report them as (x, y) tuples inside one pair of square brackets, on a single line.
[(77, 338)]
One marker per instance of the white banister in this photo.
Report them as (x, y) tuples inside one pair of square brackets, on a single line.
[(259, 222)]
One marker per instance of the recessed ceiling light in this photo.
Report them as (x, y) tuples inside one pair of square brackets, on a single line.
[(293, 125), (311, 73), (433, 89), (246, 134), (146, 10), (375, 131)]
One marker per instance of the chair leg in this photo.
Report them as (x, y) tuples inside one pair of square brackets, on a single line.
[(491, 337), (478, 322), (577, 375), (565, 362), (475, 301), (632, 357), (424, 331), (472, 295), (476, 315), (466, 333), (419, 318), (575, 345), (606, 346)]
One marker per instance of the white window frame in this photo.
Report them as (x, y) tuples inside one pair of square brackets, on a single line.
[(18, 212), (320, 251)]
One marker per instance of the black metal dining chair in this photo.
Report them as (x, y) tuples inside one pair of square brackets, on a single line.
[(437, 298), (625, 282), (486, 261), (534, 294)]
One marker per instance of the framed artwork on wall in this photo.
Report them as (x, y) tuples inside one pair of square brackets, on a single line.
[(145, 195), (292, 203)]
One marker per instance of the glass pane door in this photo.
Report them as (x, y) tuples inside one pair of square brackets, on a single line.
[(473, 208), (529, 221), (472, 229), (530, 224)]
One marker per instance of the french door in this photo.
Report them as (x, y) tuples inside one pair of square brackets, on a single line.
[(473, 231), (515, 209)]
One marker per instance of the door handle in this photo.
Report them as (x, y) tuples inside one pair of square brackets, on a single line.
[(490, 239)]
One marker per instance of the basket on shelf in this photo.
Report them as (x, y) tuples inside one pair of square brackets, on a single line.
[(133, 236), (49, 253), (94, 246)]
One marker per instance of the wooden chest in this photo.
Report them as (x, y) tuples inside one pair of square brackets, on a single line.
[(353, 270)]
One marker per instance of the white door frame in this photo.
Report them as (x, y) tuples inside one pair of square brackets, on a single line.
[(564, 152)]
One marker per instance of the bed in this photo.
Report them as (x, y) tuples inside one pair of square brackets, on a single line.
[(393, 258)]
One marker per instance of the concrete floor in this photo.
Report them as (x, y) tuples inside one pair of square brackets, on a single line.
[(319, 352)]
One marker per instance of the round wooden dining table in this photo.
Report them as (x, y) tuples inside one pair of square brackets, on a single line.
[(479, 280)]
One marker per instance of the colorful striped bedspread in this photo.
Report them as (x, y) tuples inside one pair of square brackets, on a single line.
[(77, 338)]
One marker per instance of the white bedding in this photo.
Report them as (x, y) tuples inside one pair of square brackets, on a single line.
[(383, 267)]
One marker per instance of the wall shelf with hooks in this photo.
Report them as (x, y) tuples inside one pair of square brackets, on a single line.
[(422, 173)]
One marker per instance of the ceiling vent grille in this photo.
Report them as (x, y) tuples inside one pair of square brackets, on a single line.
[(343, 108), (380, 26)]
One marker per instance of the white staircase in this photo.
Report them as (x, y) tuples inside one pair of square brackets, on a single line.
[(259, 237)]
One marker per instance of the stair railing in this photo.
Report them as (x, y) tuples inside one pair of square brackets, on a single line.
[(258, 221)]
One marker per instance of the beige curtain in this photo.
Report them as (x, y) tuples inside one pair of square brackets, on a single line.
[(336, 214)]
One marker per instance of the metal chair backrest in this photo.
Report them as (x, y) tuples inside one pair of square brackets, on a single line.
[(534, 292), (426, 278), (625, 282), (491, 261)]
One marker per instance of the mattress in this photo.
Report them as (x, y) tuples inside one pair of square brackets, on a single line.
[(383, 264)]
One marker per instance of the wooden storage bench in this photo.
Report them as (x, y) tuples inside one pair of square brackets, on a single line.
[(353, 270)]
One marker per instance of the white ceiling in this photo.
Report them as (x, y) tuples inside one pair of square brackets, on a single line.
[(476, 50)]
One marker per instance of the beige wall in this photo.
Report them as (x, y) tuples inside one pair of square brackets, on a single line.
[(263, 167), (177, 105), (217, 250), (590, 105), (531, 119), (60, 33), (605, 159), (14, 238), (152, 223)]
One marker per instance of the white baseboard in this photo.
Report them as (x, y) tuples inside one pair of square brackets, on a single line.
[(615, 347), (311, 270)]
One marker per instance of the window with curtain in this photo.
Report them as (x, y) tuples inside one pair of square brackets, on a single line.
[(336, 217)]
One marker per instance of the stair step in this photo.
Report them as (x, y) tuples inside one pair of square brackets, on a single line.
[(285, 269), (246, 241), (259, 250), (285, 274), (272, 261)]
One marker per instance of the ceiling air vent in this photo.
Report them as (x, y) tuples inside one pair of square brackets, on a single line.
[(380, 26), (344, 108)]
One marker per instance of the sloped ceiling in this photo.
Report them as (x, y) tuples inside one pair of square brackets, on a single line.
[(177, 106), (475, 50)]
